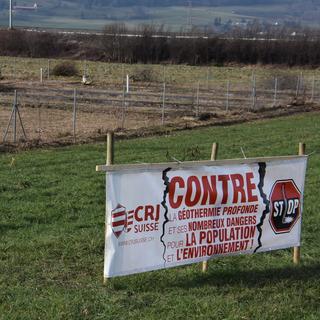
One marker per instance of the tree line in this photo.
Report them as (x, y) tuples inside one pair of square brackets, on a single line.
[(145, 47)]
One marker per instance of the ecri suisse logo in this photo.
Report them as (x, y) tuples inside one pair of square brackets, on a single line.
[(121, 221), (285, 206)]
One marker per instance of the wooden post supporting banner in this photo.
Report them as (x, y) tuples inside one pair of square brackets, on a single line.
[(109, 162), (110, 146), (296, 250), (214, 153)]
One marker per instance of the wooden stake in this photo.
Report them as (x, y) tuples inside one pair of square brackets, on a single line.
[(296, 250), (214, 153), (110, 146), (109, 162)]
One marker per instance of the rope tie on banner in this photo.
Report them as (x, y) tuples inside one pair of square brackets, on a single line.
[(168, 156), (175, 159), (312, 153), (244, 155), (140, 162)]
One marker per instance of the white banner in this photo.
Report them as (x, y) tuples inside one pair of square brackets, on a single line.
[(170, 215)]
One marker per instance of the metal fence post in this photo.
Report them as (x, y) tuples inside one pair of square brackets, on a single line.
[(15, 117), (74, 122), (298, 86), (227, 95), (275, 91), (254, 92), (163, 102), (128, 85), (197, 99), (123, 107), (313, 88)]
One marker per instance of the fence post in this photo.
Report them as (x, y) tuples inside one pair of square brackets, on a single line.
[(163, 102), (214, 154), (312, 89), (197, 99), (275, 91), (109, 162), (164, 74), (298, 86), (123, 107), (15, 117), (122, 74), (296, 250), (48, 69), (41, 75), (207, 78), (74, 122), (14, 68), (128, 88), (227, 95), (254, 92)]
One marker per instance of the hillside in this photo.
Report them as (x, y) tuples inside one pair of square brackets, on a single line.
[(176, 14)]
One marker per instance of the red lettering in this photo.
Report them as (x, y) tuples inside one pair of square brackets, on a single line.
[(175, 202), (250, 187), (196, 190), (224, 179), (238, 187), (136, 214), (209, 190)]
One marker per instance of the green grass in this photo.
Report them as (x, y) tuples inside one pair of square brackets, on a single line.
[(52, 236), (102, 73)]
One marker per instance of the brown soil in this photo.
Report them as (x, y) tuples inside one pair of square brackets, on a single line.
[(47, 114)]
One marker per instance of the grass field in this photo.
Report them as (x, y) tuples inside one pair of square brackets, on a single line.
[(19, 68), (52, 236)]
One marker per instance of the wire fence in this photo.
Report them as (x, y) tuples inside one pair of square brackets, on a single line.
[(52, 111)]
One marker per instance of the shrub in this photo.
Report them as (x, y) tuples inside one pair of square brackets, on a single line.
[(204, 116), (65, 69), (143, 74)]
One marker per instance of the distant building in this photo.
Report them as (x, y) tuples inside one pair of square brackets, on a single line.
[(25, 8)]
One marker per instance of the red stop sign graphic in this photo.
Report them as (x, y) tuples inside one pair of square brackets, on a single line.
[(285, 206)]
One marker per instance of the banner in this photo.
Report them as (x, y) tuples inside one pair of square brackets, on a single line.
[(166, 215)]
